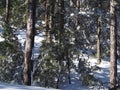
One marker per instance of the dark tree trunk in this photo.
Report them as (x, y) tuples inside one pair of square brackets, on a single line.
[(99, 28), (52, 15), (113, 46), (60, 35), (68, 65), (62, 21), (7, 11), (29, 41), (47, 18), (78, 9), (33, 20)]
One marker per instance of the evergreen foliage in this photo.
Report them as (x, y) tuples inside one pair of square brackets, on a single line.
[(70, 28)]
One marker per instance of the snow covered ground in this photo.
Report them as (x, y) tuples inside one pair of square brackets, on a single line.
[(101, 74), (4, 86), (1, 39)]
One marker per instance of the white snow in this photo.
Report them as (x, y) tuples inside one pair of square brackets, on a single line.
[(1, 38), (78, 27), (43, 22), (4, 86), (75, 83), (72, 14)]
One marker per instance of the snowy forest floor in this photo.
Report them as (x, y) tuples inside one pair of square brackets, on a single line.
[(4, 86), (102, 74)]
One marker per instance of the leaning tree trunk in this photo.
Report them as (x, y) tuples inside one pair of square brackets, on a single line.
[(29, 42), (113, 46)]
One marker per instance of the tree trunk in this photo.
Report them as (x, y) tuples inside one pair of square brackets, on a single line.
[(68, 65), (29, 41), (61, 31), (77, 16), (7, 11), (47, 19), (62, 21), (113, 46), (51, 22), (78, 4), (7, 34), (99, 32), (71, 3), (98, 41)]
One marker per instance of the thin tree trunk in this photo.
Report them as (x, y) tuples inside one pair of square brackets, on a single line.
[(7, 34), (7, 11), (71, 3), (68, 65), (51, 23), (98, 41), (62, 21), (29, 42), (61, 31), (34, 20), (99, 32), (78, 4), (113, 46), (78, 9), (47, 18)]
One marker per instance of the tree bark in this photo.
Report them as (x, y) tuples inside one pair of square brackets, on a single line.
[(29, 41), (7, 11), (52, 15), (47, 19), (98, 41), (113, 46), (62, 21), (68, 65), (99, 28)]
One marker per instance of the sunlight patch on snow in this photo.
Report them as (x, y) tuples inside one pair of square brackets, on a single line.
[(78, 27), (72, 14), (43, 22), (93, 61), (1, 39), (38, 39)]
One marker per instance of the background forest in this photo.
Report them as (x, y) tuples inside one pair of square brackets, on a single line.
[(47, 42)]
